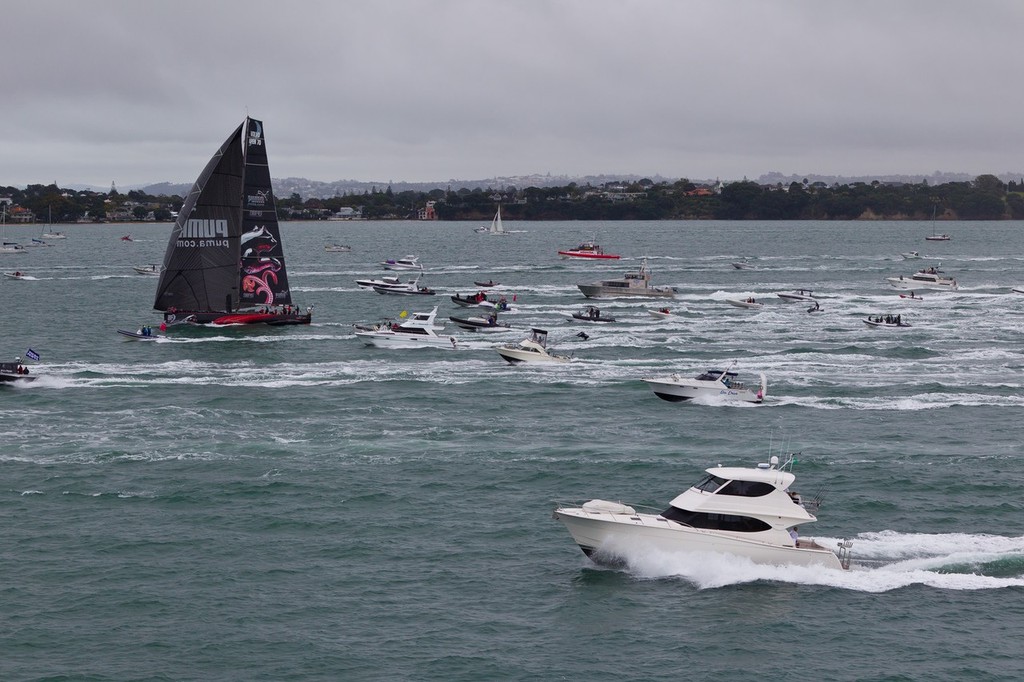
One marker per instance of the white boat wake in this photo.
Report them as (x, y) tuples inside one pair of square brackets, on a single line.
[(882, 562)]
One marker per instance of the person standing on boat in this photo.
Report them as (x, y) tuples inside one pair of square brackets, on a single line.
[(795, 535)]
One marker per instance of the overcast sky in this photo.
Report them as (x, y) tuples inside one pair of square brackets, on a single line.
[(142, 91)]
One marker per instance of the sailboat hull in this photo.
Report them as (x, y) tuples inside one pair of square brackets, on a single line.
[(221, 318)]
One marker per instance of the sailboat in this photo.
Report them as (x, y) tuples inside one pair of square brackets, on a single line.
[(936, 237), (495, 227), (36, 243), (48, 232), (6, 246), (225, 262)]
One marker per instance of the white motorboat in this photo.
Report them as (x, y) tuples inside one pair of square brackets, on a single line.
[(531, 349), (152, 270), (938, 238), (911, 255), (476, 323), (337, 248), (17, 274), (410, 288), (407, 263), (416, 331), (926, 278), (745, 303), (632, 284), (911, 297), (660, 313), (798, 295), (893, 321), (12, 247), (714, 383), (738, 511), (385, 281), (744, 264)]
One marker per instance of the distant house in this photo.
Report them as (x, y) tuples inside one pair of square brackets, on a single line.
[(427, 212), (20, 214), (624, 196), (348, 213), (121, 214)]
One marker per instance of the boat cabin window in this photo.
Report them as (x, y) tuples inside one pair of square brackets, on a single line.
[(739, 524), (747, 489), (710, 483)]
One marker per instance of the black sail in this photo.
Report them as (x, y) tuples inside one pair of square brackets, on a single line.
[(263, 279), (225, 249), (200, 268)]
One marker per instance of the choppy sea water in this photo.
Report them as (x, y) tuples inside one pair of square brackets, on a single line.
[(290, 504)]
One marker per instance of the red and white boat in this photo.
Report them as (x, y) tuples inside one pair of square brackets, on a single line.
[(588, 250)]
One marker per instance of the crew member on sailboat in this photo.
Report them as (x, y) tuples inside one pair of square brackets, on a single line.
[(225, 262)]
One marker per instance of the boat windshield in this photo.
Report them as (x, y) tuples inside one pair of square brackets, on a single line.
[(731, 522), (710, 483), (747, 489)]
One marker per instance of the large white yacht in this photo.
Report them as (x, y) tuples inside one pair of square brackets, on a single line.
[(385, 281), (747, 512), (926, 278), (714, 384), (410, 288), (415, 331), (632, 284), (406, 263)]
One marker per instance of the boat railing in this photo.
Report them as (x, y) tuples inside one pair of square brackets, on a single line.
[(844, 552)]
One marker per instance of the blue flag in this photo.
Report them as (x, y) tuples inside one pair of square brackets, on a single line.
[(32, 355)]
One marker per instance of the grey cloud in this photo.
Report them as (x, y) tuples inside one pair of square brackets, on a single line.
[(409, 90)]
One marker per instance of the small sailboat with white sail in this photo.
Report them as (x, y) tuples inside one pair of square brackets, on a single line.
[(935, 236), (495, 227), (225, 260), (48, 233)]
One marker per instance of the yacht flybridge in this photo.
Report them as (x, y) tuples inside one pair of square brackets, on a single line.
[(746, 512)]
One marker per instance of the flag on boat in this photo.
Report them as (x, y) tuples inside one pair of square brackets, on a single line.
[(404, 314), (32, 355)]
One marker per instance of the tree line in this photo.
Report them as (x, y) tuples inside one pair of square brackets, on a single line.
[(984, 198)]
